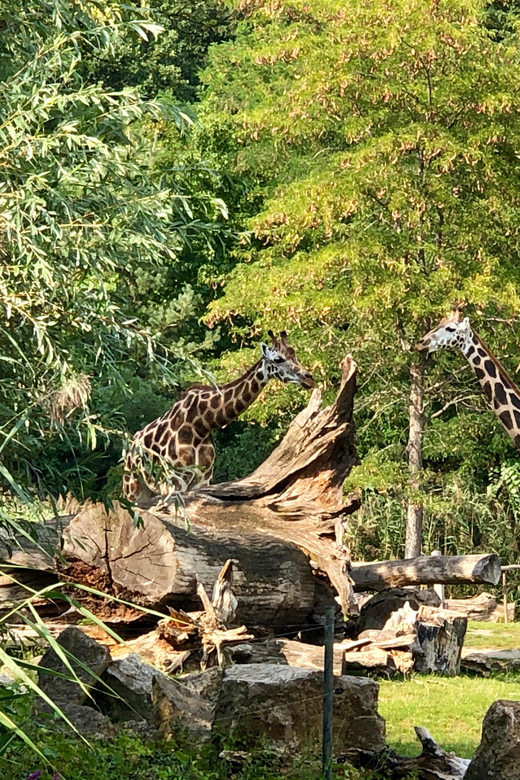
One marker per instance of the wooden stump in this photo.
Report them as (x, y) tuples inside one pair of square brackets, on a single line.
[(440, 636)]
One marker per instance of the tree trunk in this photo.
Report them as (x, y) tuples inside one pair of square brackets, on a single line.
[(282, 525), (427, 570), (414, 513)]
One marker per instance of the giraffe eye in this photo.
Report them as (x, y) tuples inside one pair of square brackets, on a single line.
[(278, 359)]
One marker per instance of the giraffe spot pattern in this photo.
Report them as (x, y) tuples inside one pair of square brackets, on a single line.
[(500, 393), (185, 435), (221, 418), (490, 368), (517, 418), (505, 417), (515, 401)]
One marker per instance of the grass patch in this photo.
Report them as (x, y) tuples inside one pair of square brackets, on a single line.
[(451, 708), (493, 635)]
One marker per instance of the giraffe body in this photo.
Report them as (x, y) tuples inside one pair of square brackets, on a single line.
[(501, 392), (174, 453)]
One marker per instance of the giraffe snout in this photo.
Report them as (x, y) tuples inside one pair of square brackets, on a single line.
[(307, 380), (422, 345)]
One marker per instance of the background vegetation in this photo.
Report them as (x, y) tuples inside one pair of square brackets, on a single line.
[(178, 178)]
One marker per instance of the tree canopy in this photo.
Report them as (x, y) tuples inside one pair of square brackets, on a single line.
[(384, 139), (91, 227)]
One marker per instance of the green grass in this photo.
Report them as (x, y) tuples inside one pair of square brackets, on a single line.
[(493, 635), (451, 708)]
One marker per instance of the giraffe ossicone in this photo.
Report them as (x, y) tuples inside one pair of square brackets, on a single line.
[(501, 392), (174, 453)]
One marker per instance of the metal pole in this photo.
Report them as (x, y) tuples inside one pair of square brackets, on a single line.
[(328, 686), (504, 591)]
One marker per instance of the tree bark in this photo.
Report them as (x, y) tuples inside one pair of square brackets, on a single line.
[(426, 570), (414, 513), (282, 525)]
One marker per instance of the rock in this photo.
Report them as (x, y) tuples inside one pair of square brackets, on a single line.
[(375, 613), (485, 661), (498, 755), (88, 721), (283, 705), (130, 679), (187, 703), (87, 658)]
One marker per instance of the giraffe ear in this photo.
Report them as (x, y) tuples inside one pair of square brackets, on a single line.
[(465, 322), (265, 349)]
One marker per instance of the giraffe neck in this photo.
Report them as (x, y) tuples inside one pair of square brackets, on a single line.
[(224, 404), (501, 392)]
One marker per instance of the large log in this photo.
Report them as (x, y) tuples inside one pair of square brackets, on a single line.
[(427, 570), (282, 525)]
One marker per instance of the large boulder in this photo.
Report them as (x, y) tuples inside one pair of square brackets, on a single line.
[(128, 692), (283, 704), (498, 755), (186, 704), (273, 703), (84, 720), (87, 658)]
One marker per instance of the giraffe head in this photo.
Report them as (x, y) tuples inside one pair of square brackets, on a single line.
[(281, 362), (451, 331)]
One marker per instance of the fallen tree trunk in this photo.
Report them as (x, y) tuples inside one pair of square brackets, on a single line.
[(481, 608), (434, 763), (282, 525), (427, 570)]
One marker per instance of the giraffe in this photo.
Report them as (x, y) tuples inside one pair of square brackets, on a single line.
[(501, 392), (179, 445)]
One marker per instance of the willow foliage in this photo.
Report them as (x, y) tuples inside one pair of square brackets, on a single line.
[(84, 217)]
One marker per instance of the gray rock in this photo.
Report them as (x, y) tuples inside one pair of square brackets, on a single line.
[(85, 656), (187, 703), (498, 755), (88, 721), (130, 696), (485, 661), (283, 704)]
